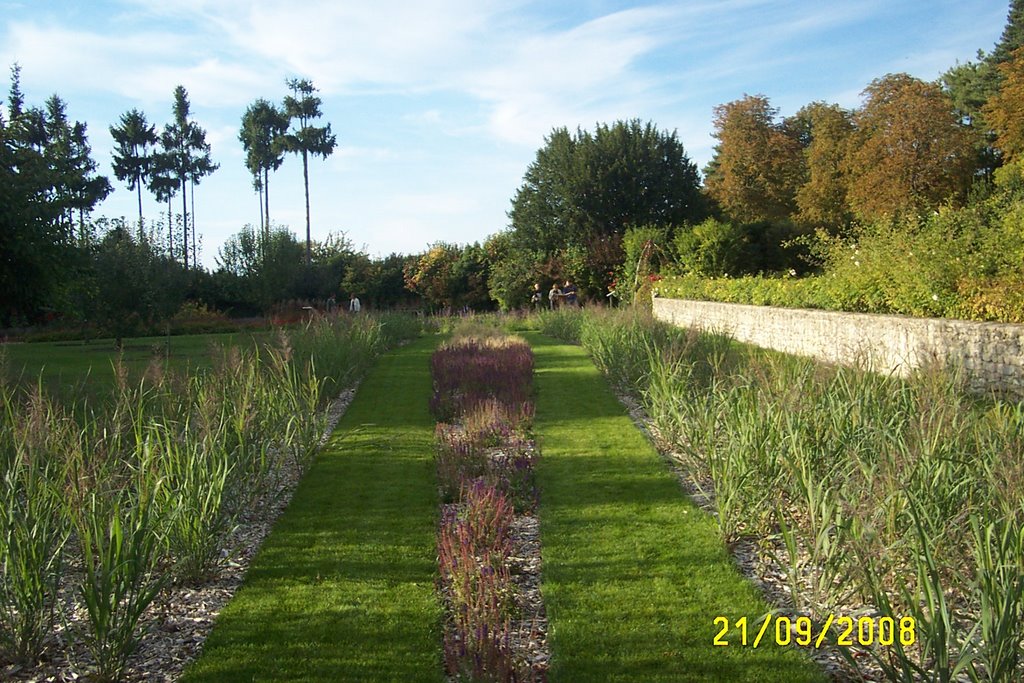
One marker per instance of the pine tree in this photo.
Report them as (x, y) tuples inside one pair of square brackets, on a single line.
[(187, 158), (1013, 34)]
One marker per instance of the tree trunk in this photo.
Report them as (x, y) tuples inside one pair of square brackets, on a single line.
[(138, 187), (263, 241), (170, 229), (305, 179), (266, 199), (195, 244), (184, 219)]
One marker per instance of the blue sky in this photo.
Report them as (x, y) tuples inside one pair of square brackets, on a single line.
[(440, 105)]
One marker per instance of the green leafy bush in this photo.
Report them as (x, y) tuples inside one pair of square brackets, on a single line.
[(711, 249), (963, 263)]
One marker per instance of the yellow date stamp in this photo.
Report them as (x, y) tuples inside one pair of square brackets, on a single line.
[(849, 631)]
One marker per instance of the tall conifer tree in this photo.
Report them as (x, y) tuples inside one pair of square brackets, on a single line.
[(302, 108)]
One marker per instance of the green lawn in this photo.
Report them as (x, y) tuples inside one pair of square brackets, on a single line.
[(343, 588), (634, 574), (76, 369)]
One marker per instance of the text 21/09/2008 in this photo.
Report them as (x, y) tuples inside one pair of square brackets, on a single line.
[(850, 631)]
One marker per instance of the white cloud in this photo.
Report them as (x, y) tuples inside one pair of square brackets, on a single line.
[(569, 77), (144, 67), (396, 42), (223, 140), (211, 82), (530, 76), (83, 60), (429, 117)]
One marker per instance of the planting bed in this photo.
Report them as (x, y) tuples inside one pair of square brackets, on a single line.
[(179, 620), (126, 524), (488, 544), (865, 496)]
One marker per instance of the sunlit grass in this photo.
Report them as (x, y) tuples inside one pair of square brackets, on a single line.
[(634, 574), (343, 589)]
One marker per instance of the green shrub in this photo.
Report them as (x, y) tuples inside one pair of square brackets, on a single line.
[(711, 249), (562, 323), (962, 263)]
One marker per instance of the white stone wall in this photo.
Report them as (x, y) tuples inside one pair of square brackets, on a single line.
[(991, 354)]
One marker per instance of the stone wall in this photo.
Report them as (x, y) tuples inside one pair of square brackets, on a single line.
[(991, 354)]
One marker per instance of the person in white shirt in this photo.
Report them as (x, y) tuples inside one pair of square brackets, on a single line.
[(353, 304)]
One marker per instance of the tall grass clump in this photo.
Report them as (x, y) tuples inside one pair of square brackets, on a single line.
[(120, 550), (337, 349), (562, 323), (33, 526), (904, 494), (110, 502)]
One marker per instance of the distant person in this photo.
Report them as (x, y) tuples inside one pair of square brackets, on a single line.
[(555, 296), (537, 297), (569, 294), (353, 304)]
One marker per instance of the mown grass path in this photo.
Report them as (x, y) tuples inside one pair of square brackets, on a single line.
[(634, 574), (342, 589)]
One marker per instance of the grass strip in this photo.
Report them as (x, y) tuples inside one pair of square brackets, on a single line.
[(343, 588), (74, 369), (634, 574)]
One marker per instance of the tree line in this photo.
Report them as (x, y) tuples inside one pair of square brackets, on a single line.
[(53, 252), (775, 190), (603, 207)]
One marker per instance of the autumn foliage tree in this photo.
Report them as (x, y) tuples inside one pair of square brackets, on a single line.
[(822, 200), (451, 276), (910, 150), (758, 166), (1005, 110)]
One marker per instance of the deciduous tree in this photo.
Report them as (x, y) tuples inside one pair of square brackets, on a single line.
[(821, 200), (758, 165), (911, 150)]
